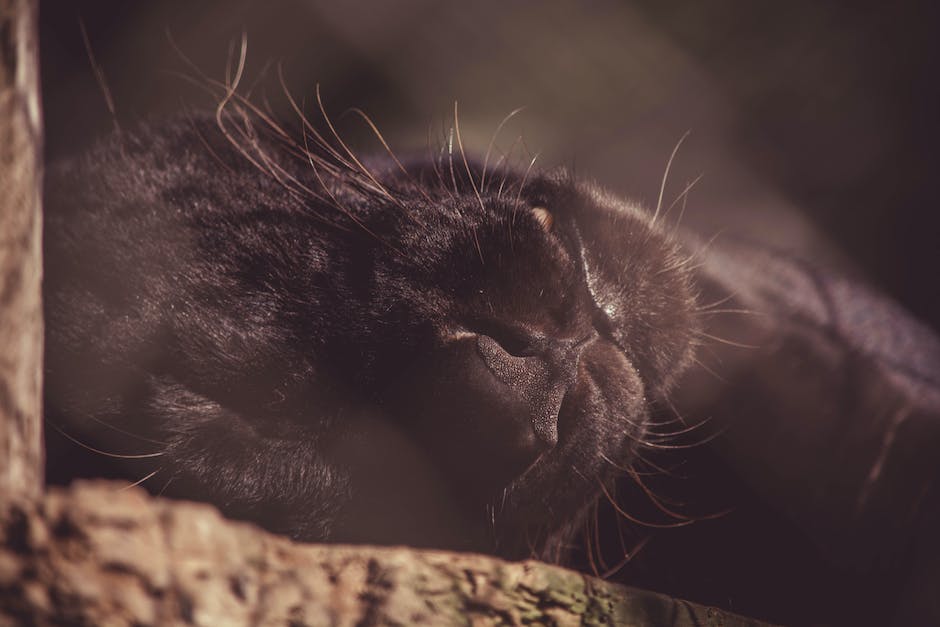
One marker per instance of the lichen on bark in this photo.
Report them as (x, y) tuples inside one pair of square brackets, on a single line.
[(101, 553)]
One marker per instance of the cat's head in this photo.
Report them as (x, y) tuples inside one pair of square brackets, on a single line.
[(543, 324)]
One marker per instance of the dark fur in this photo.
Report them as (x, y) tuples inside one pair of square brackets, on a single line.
[(407, 358)]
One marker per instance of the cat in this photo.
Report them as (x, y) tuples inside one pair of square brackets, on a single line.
[(299, 338), (441, 351)]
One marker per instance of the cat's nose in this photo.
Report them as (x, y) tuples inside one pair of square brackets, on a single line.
[(561, 359), (565, 354)]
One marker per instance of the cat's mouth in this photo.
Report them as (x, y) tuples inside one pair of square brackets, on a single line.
[(601, 421)]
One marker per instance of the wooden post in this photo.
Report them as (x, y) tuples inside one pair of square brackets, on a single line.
[(20, 253)]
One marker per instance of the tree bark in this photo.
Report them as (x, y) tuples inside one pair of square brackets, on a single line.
[(102, 554), (20, 253)]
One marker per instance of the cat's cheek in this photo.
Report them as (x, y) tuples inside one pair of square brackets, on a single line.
[(606, 413), (475, 427), (602, 419)]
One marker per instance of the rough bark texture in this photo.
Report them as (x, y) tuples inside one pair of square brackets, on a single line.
[(100, 555), (20, 260)]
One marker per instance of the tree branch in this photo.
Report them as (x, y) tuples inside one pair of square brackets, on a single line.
[(98, 554), (20, 252)]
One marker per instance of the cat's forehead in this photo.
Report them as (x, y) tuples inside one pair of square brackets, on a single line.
[(511, 253), (522, 265)]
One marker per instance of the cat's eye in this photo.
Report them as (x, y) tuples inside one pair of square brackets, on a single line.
[(515, 345), (544, 217), (511, 341)]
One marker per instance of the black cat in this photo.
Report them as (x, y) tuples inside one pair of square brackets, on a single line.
[(442, 353), (346, 352)]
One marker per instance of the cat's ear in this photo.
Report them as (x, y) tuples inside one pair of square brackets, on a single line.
[(544, 217)]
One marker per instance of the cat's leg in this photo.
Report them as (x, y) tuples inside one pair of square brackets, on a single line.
[(361, 479), (828, 396), (286, 483)]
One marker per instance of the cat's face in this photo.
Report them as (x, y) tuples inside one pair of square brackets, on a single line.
[(534, 359)]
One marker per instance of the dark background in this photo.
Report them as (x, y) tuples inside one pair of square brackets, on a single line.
[(828, 112)]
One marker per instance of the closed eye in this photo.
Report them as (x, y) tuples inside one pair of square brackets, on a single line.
[(513, 344), (514, 341)]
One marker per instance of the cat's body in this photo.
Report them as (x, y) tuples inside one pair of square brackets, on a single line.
[(441, 354)]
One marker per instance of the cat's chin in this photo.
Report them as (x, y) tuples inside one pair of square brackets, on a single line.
[(601, 425)]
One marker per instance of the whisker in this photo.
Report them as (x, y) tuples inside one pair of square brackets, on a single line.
[(627, 557), (743, 312), (388, 149), (530, 543), (233, 83), (662, 186), (450, 158), (435, 161), (123, 431), (559, 547), (525, 177), (182, 55), (678, 415), (589, 549), (229, 57), (463, 156), (655, 501), (139, 481), (685, 199), (220, 108), (305, 123), (597, 537), (344, 209), (99, 451), (489, 149), (504, 163), (722, 340), (665, 472), (473, 184), (262, 74), (208, 147), (683, 263), (679, 447), (682, 196), (674, 434), (708, 369), (349, 152), (624, 468), (663, 447), (637, 521), (718, 303), (165, 486), (98, 71)]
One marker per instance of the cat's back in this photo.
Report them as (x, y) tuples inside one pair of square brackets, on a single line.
[(169, 252)]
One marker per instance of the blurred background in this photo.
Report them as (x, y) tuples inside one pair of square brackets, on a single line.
[(800, 113)]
